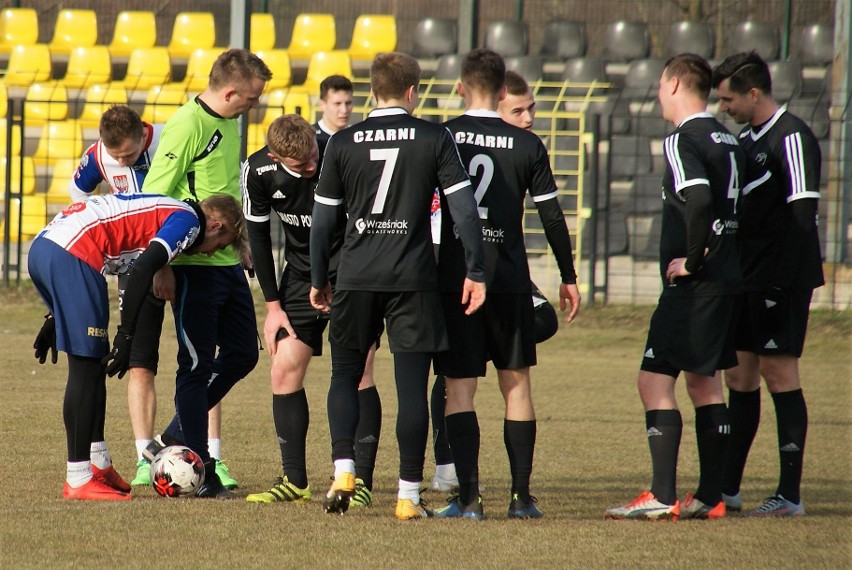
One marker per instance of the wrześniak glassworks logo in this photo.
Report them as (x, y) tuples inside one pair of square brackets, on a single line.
[(381, 226)]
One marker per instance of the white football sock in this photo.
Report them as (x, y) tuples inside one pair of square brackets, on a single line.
[(214, 447), (100, 455), (78, 473), (141, 444), (343, 466), (446, 472), (409, 490)]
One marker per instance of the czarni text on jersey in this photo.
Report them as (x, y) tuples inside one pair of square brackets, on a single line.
[(488, 141), (382, 135)]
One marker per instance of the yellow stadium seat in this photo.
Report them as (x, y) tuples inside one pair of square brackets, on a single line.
[(16, 140), (162, 101), (18, 26), (286, 101), (87, 66), (99, 98), (256, 138), (59, 139), (60, 176), (278, 62), (323, 64), (45, 102), (373, 34), (74, 28), (147, 67), (28, 64), (192, 31), (262, 32), (312, 33), (33, 218), (133, 29), (198, 69), (29, 180)]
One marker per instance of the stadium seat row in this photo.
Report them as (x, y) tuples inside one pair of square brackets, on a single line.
[(372, 33), (626, 40)]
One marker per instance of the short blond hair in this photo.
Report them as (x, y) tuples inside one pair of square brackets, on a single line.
[(291, 136)]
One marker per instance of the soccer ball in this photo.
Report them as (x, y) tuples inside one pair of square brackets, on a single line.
[(176, 471)]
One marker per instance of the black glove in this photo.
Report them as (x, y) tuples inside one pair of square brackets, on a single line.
[(46, 340), (118, 359)]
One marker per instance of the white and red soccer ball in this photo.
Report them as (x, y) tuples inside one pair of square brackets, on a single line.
[(177, 471)]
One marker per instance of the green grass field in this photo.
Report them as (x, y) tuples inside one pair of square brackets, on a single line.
[(591, 454)]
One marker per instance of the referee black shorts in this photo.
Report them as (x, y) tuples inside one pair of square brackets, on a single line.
[(773, 322), (692, 334), (502, 331), (309, 323), (414, 320), (145, 348)]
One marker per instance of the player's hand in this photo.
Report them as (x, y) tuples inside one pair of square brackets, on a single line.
[(164, 285), (45, 341), (321, 298), (569, 294), (473, 295), (276, 319), (118, 359), (676, 268)]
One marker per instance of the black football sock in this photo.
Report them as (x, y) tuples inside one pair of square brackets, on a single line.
[(440, 444), (347, 367), (367, 435), (664, 428), (712, 433), (411, 370), (519, 438), (85, 377), (463, 433), (292, 417), (744, 415), (792, 417)]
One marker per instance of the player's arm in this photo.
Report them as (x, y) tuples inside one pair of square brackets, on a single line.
[(545, 196), (800, 173), (257, 212), (86, 177), (180, 228), (328, 202)]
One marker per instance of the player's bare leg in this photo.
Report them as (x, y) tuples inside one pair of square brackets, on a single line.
[(142, 408)]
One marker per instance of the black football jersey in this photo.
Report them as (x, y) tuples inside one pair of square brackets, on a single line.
[(270, 188), (322, 137), (773, 250), (702, 156), (503, 162), (383, 171)]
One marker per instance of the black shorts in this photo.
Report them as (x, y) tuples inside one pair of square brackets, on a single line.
[(414, 320), (502, 331), (145, 348), (773, 322), (309, 323), (694, 334)]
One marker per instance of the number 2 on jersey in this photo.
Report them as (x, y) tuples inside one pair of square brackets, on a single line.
[(389, 156), (484, 161)]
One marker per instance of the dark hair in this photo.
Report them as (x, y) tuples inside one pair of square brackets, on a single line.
[(392, 73), (746, 71), (693, 71), (483, 69), (515, 83), (237, 66), (119, 123), (334, 83)]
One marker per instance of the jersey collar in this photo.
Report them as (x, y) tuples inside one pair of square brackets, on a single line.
[(149, 134), (387, 112), (487, 113), (321, 126), (701, 115), (755, 135)]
